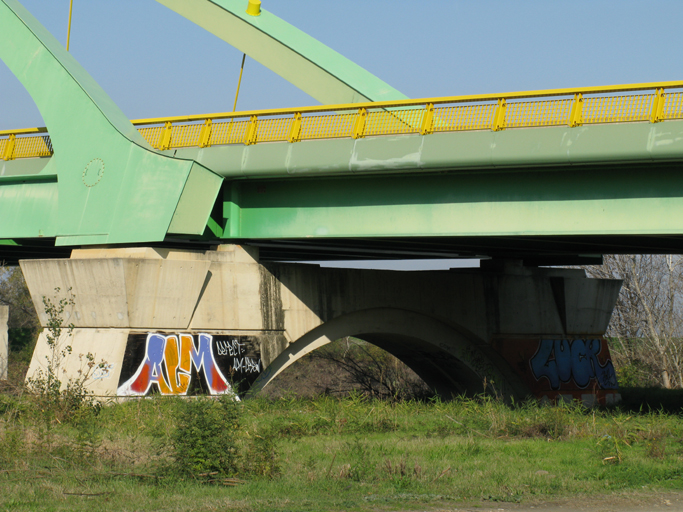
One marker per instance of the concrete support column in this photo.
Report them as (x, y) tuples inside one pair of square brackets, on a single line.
[(147, 312), (4, 342), (178, 322)]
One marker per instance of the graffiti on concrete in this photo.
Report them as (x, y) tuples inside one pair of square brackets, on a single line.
[(247, 364), (182, 364), (168, 363), (564, 361), (229, 348), (102, 371), (562, 369)]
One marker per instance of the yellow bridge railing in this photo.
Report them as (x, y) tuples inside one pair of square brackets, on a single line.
[(648, 102)]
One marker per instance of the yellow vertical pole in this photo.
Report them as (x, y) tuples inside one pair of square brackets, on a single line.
[(9, 148), (499, 116), (205, 134), (428, 119), (252, 132), (657, 113), (576, 114), (68, 30), (166, 136), (359, 126), (239, 82), (295, 131)]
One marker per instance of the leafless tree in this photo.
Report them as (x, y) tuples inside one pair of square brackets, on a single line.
[(647, 324), (372, 370)]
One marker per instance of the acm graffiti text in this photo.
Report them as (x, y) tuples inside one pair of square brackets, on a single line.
[(168, 362)]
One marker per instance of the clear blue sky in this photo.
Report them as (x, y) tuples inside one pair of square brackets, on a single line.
[(153, 62)]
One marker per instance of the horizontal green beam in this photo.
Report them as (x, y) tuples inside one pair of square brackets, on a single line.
[(607, 144), (614, 200)]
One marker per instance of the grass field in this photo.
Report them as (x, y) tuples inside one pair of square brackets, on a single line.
[(326, 454)]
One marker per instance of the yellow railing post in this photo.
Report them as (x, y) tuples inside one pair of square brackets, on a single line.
[(252, 131), (295, 131), (576, 113), (9, 148), (499, 116), (205, 134), (428, 119), (165, 142), (657, 113), (359, 126)]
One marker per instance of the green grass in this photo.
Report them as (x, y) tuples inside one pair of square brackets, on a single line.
[(349, 454)]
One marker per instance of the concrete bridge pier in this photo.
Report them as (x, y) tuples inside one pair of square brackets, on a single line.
[(183, 322), (4, 342)]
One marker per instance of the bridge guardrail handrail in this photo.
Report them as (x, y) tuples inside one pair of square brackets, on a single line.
[(653, 102)]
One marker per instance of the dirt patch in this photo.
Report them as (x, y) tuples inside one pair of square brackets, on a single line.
[(623, 502)]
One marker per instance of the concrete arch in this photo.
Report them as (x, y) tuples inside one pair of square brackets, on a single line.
[(449, 361)]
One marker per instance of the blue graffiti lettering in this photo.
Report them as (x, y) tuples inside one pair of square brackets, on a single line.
[(563, 360)]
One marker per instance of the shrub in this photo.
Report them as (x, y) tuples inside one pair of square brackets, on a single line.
[(205, 439), (57, 400)]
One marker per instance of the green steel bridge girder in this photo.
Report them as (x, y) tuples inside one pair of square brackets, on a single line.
[(597, 181), (592, 200), (104, 184), (613, 179)]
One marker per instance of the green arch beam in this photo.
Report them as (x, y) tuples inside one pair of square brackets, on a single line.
[(299, 58), (104, 183)]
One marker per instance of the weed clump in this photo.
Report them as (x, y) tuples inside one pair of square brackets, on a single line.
[(260, 457), (55, 400), (209, 442), (204, 441)]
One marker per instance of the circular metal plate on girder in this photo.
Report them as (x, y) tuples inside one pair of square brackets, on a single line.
[(93, 172)]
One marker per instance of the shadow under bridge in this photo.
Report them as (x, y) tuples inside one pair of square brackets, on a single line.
[(451, 363)]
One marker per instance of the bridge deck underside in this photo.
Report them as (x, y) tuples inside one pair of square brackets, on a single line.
[(533, 250), (542, 250)]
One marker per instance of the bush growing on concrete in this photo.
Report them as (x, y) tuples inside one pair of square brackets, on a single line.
[(58, 400)]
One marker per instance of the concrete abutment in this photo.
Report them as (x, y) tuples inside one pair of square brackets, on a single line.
[(180, 322)]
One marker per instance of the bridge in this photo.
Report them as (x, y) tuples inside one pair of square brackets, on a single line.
[(172, 232)]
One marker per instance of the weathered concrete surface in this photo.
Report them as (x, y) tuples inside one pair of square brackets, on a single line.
[(441, 323), (106, 347), (116, 292), (4, 342)]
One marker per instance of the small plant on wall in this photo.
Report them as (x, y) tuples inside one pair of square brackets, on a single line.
[(60, 400)]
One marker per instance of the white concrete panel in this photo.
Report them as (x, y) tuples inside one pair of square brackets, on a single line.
[(107, 347), (163, 294), (146, 293), (232, 296), (97, 286)]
